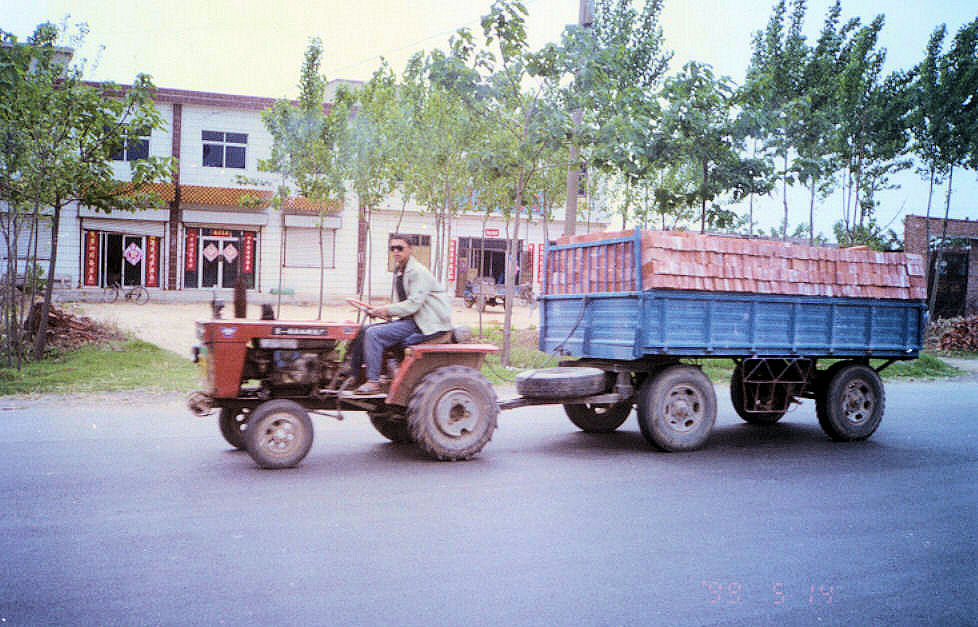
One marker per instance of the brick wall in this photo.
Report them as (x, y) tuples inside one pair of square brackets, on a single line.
[(915, 241)]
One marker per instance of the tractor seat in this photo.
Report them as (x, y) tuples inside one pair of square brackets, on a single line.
[(458, 335)]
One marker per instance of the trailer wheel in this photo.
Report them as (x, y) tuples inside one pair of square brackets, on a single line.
[(391, 425), (598, 418), (850, 405), (677, 408), (561, 382), (233, 423), (452, 413), (279, 434), (739, 402)]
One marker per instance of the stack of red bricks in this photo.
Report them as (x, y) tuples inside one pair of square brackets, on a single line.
[(689, 261)]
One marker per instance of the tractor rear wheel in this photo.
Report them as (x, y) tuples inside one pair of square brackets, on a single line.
[(452, 413)]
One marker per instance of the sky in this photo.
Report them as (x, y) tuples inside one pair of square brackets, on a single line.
[(255, 47)]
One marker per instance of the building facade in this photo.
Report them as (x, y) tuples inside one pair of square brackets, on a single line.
[(212, 230), (957, 274)]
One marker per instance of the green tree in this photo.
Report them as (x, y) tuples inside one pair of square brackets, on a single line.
[(519, 120), (61, 134), (612, 70), (305, 155), (775, 85), (698, 131)]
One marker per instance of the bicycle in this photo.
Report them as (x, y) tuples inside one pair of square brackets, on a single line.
[(137, 293)]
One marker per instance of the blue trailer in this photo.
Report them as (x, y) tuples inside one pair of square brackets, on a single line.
[(631, 343)]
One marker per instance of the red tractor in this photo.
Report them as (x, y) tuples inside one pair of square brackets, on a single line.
[(265, 376)]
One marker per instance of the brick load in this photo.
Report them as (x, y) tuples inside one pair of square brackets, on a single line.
[(690, 261)]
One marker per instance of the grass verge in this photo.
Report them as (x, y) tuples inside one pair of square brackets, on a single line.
[(127, 365)]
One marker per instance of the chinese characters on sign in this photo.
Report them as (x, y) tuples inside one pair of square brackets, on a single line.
[(452, 247), (91, 258), (248, 253), (191, 261), (152, 259)]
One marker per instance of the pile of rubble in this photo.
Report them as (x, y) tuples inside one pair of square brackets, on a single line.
[(690, 261), (961, 335), (67, 332)]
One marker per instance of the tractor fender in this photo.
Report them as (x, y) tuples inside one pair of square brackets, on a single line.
[(421, 359)]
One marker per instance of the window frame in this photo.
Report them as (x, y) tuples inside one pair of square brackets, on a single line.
[(226, 144)]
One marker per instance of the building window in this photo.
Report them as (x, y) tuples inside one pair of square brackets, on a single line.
[(224, 150), (302, 247), (135, 146)]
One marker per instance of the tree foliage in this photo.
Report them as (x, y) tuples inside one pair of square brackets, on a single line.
[(59, 134)]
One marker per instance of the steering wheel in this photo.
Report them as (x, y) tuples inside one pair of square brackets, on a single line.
[(359, 305)]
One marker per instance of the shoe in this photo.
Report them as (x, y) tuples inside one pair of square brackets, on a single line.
[(369, 388)]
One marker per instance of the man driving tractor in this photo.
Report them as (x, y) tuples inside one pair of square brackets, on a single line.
[(422, 310)]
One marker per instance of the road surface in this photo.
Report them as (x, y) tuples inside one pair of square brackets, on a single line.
[(131, 511)]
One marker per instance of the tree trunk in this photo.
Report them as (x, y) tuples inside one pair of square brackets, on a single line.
[(510, 272), (322, 267), (784, 197), (930, 195), (40, 341), (940, 251), (811, 215)]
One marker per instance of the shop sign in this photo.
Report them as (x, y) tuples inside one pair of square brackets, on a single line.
[(491, 232), (152, 261), (540, 264), (452, 258), (248, 253), (191, 252), (91, 258)]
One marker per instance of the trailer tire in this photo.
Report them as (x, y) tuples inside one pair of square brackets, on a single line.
[(562, 382), (850, 405), (279, 434), (452, 413), (392, 426), (739, 402), (233, 423), (677, 408), (599, 418)]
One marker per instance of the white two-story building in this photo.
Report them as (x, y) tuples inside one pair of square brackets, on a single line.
[(208, 231)]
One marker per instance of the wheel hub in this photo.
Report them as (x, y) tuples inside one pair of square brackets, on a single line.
[(456, 413), (683, 408), (858, 402), (279, 437)]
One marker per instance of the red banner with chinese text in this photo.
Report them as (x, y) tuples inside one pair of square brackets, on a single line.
[(152, 262), (452, 258), (191, 250), (529, 266), (248, 254), (91, 258), (540, 264)]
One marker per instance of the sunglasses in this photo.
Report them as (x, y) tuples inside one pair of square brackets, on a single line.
[(396, 248)]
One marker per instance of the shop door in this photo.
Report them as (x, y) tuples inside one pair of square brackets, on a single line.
[(219, 258), (133, 251)]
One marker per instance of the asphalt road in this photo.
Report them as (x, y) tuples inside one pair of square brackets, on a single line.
[(136, 513)]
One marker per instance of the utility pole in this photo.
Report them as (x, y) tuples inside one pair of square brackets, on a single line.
[(585, 17)]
